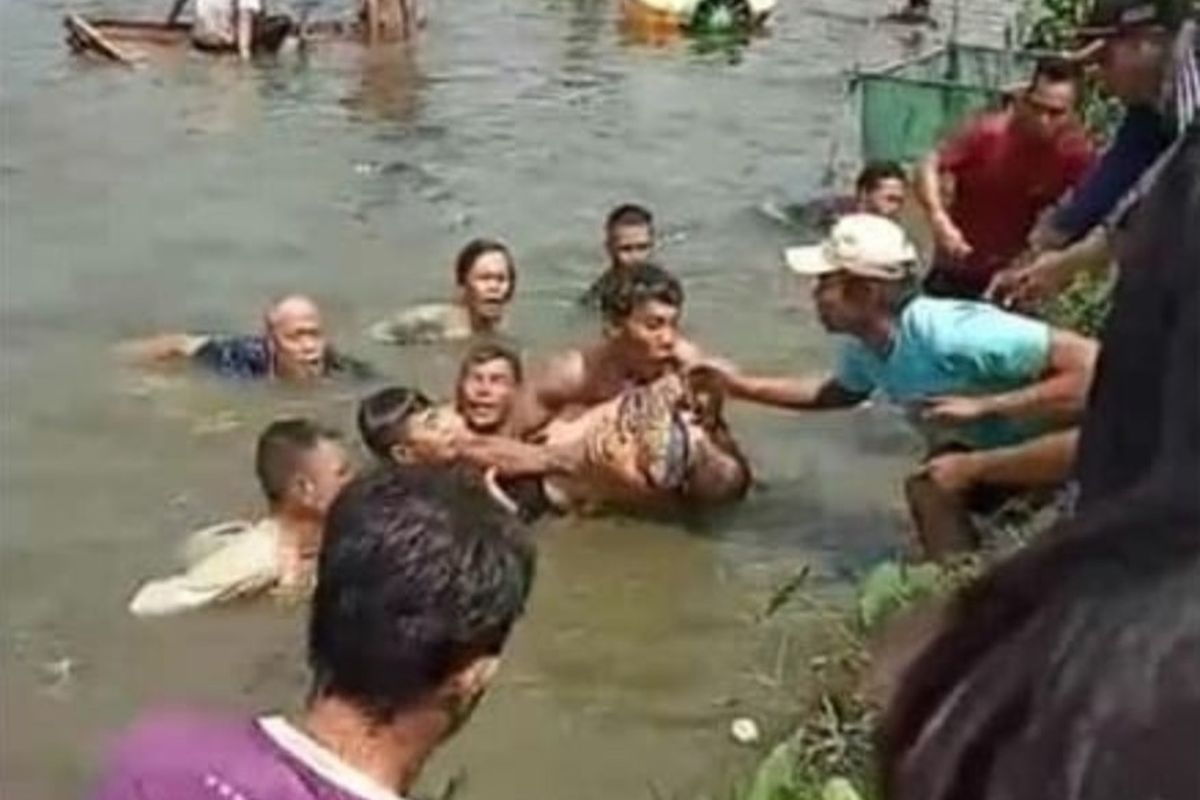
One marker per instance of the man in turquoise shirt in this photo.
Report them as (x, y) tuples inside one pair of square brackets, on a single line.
[(984, 386)]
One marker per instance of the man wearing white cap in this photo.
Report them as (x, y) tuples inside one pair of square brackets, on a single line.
[(976, 380)]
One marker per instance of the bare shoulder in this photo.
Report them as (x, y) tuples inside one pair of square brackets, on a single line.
[(562, 375)]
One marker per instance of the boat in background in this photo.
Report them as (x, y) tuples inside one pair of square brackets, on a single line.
[(695, 17)]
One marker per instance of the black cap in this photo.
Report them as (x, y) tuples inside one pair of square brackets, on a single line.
[(1113, 17)]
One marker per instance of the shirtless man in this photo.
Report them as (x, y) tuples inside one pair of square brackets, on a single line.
[(291, 347)]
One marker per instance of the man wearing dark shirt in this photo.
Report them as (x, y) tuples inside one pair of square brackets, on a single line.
[(1006, 168), (292, 346), (1144, 411), (629, 242)]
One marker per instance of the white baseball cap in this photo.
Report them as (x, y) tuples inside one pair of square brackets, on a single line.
[(861, 244)]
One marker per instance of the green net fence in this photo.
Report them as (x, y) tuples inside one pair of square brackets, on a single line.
[(908, 106)]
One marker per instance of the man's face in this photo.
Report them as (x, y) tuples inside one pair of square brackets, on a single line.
[(430, 436), (1046, 108), (486, 393), (650, 333), (839, 307), (324, 470), (298, 339), (488, 286), (885, 200), (629, 245), (1131, 65)]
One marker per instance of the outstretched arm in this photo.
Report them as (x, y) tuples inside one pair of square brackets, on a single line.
[(160, 349), (801, 393), (510, 457)]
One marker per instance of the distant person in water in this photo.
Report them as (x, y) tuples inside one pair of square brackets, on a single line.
[(292, 347), (301, 467), (486, 278), (628, 242), (236, 26), (419, 584), (880, 188)]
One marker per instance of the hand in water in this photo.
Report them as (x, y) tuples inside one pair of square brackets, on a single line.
[(953, 409)]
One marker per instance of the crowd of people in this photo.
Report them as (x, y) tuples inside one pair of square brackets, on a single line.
[(422, 564)]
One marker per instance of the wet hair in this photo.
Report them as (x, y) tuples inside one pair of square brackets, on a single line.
[(420, 573), (476, 249), (876, 172), (490, 351), (628, 215), (382, 417), (1068, 671), (1054, 69), (280, 448), (642, 284)]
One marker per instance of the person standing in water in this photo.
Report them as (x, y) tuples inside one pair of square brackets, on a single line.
[(420, 581), (235, 26), (629, 242), (486, 278), (301, 467), (292, 347)]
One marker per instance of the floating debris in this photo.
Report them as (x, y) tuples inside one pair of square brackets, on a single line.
[(745, 731)]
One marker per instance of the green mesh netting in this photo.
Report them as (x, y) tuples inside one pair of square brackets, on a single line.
[(907, 107)]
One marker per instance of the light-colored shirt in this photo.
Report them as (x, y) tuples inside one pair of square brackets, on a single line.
[(952, 347), (215, 22), (224, 562)]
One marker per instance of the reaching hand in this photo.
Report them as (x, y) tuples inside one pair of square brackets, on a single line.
[(953, 472), (1024, 287), (952, 240), (954, 409)]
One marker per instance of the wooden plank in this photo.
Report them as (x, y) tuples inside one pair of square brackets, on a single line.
[(88, 38)]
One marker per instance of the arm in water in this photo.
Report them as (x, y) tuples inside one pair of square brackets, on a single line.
[(160, 349)]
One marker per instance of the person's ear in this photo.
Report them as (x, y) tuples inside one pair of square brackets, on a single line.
[(400, 454), (475, 677)]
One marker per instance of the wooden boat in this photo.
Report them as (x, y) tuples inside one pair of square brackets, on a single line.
[(133, 41), (698, 17)]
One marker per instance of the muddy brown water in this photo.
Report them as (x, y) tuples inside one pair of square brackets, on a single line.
[(182, 195)]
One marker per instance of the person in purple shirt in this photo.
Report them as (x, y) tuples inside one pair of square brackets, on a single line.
[(420, 580)]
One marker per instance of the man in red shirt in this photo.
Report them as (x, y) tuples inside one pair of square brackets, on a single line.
[(1006, 168)]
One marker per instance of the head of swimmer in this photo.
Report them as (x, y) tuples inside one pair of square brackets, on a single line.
[(487, 387), (628, 237), (486, 277), (642, 313), (296, 334), (301, 467), (880, 189)]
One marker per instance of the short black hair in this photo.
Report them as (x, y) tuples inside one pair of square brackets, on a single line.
[(382, 415), (280, 447), (628, 215), (876, 172), (477, 248), (1055, 69), (420, 572), (643, 283), (1068, 671), (486, 352)]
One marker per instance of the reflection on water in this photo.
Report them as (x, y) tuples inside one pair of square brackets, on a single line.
[(183, 197)]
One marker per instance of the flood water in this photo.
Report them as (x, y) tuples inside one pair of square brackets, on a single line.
[(183, 195)]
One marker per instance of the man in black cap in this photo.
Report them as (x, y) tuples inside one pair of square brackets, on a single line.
[(1144, 410)]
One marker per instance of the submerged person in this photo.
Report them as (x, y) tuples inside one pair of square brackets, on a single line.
[(628, 243), (486, 277), (419, 584), (301, 467), (292, 347), (880, 188), (971, 376), (236, 26)]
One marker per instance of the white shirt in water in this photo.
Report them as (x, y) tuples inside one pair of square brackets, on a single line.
[(216, 20), (221, 563)]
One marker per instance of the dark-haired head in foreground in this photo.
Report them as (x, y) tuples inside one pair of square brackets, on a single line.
[(1071, 672), (420, 581)]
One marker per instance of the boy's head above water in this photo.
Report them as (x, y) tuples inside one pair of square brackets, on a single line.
[(487, 386), (301, 467), (383, 419), (642, 314), (486, 276), (628, 237)]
